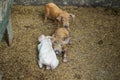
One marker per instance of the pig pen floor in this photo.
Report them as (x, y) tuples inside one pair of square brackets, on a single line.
[(93, 55)]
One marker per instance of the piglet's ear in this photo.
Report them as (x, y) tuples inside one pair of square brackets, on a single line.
[(41, 38), (53, 38), (59, 18), (66, 41), (49, 37), (72, 16)]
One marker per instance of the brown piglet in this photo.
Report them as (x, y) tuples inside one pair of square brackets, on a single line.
[(61, 17), (60, 39)]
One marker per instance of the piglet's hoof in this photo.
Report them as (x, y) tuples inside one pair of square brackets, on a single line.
[(64, 60), (48, 67)]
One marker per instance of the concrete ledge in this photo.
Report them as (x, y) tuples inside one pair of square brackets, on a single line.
[(102, 3)]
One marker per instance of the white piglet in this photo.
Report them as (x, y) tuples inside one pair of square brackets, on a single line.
[(47, 55)]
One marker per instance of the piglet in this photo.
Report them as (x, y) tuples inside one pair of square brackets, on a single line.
[(60, 16), (47, 55), (60, 40)]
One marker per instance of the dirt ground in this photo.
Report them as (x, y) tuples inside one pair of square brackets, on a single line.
[(93, 55)]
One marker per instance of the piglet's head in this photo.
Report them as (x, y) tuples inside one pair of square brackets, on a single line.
[(41, 38), (57, 46), (66, 40), (64, 18)]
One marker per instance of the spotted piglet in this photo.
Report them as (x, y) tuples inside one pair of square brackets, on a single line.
[(47, 55), (60, 40)]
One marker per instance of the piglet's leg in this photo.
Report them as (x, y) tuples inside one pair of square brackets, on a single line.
[(45, 18), (40, 64), (64, 57), (47, 67), (57, 23), (64, 53), (46, 14)]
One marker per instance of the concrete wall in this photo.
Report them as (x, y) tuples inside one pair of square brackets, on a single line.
[(104, 3)]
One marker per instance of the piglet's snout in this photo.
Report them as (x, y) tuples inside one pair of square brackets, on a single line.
[(65, 25), (57, 52)]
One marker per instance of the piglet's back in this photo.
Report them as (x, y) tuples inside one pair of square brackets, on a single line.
[(54, 10), (46, 51)]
